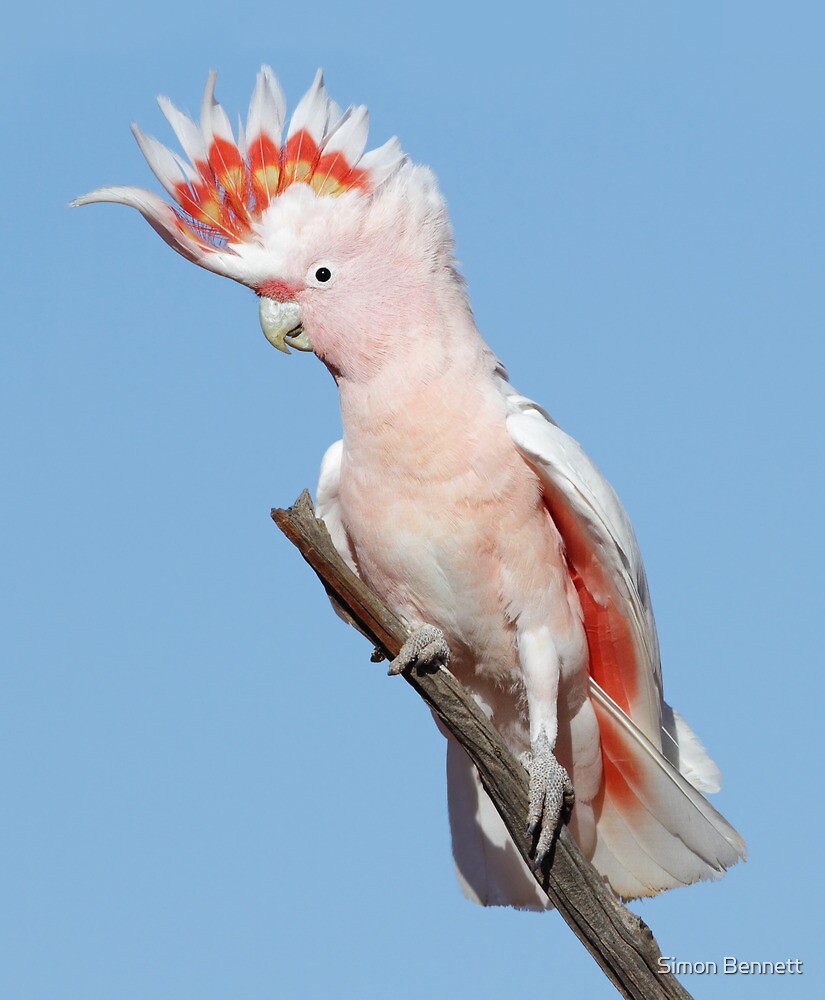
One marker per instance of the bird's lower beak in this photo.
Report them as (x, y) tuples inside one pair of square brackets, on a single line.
[(281, 323)]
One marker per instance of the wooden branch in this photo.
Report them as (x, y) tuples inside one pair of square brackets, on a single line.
[(619, 940)]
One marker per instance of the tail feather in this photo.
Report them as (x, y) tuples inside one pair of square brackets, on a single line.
[(654, 829), (490, 870), (684, 750), (648, 829)]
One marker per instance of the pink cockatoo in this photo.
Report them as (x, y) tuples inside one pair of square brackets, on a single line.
[(483, 526)]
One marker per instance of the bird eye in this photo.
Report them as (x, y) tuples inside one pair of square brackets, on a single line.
[(319, 274)]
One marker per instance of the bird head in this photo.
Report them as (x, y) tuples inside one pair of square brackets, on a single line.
[(335, 241)]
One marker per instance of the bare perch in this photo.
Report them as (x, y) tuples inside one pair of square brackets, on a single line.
[(620, 941)]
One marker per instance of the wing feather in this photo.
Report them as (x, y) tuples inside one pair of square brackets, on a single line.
[(654, 828), (605, 560)]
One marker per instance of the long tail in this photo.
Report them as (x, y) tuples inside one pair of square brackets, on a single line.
[(653, 829)]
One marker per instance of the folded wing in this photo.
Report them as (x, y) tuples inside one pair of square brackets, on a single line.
[(654, 829)]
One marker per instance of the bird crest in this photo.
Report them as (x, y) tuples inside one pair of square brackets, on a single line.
[(224, 185)]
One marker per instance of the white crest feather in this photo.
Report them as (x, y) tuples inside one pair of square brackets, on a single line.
[(160, 216), (312, 111), (267, 109), (383, 162), (169, 169), (187, 132), (349, 136)]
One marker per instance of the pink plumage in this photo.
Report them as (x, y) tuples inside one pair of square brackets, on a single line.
[(459, 501)]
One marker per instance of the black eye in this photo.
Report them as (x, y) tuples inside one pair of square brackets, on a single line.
[(323, 274)]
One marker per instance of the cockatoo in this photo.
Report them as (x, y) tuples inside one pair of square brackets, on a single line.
[(460, 502)]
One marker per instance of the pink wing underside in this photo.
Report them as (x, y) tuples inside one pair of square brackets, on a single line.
[(654, 829), (605, 567), (618, 666)]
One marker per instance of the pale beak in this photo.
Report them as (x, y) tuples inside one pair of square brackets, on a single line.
[(281, 323)]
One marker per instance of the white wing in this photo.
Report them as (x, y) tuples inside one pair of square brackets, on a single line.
[(654, 829), (328, 502), (602, 549)]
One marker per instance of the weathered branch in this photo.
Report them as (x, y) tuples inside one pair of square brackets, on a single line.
[(619, 940)]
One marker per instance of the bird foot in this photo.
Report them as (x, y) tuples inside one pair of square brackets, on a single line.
[(551, 794), (426, 649)]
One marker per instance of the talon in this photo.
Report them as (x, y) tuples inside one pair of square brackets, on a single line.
[(426, 649), (551, 795)]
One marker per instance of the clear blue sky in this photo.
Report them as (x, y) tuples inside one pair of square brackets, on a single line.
[(208, 790)]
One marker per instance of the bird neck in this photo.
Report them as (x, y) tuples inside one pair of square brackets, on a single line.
[(392, 421)]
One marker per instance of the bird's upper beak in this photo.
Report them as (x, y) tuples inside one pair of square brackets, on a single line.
[(281, 323)]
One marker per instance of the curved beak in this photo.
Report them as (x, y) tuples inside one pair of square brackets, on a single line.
[(281, 323)]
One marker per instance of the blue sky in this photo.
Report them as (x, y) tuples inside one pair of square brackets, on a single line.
[(209, 791)]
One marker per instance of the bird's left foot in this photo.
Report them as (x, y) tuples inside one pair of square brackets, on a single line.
[(426, 649), (551, 794)]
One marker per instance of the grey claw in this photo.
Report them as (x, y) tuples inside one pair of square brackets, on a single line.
[(426, 649), (551, 795)]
